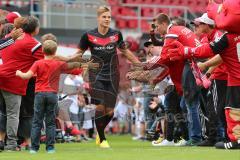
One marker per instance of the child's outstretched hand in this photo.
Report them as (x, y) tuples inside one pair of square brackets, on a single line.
[(18, 73), (90, 65)]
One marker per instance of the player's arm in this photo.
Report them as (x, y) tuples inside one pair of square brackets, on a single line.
[(123, 47), (82, 47), (72, 65), (26, 75), (129, 55), (77, 57)]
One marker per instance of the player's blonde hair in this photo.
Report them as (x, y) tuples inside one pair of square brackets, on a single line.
[(103, 9), (49, 47)]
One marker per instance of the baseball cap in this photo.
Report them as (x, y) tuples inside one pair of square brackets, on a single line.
[(12, 16), (203, 19), (148, 43)]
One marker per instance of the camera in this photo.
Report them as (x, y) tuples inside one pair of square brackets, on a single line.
[(153, 26)]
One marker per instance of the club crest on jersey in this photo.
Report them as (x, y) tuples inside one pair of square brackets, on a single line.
[(95, 40), (112, 38)]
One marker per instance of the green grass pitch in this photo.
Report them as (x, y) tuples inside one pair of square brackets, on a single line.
[(123, 148)]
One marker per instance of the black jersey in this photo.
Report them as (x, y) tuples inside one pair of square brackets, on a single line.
[(104, 51)]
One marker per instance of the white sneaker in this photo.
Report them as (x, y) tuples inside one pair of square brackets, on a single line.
[(182, 142), (136, 138), (164, 143)]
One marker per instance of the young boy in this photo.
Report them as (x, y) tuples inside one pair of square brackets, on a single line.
[(48, 73)]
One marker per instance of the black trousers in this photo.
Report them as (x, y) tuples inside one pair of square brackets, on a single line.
[(216, 99), (175, 117)]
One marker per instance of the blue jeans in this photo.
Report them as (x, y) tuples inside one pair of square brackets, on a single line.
[(194, 125), (44, 106), (148, 114)]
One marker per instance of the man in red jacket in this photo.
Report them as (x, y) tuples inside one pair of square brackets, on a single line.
[(180, 71)]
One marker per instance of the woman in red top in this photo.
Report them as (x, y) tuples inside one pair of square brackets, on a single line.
[(19, 55)]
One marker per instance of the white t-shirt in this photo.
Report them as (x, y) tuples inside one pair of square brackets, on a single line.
[(76, 81)]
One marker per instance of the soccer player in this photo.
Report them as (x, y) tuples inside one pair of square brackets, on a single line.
[(103, 42), (228, 49), (48, 73)]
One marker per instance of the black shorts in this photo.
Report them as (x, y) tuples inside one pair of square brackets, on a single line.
[(233, 97), (104, 92)]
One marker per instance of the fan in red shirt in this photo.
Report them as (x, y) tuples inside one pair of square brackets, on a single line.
[(228, 49), (217, 91), (19, 55), (226, 17)]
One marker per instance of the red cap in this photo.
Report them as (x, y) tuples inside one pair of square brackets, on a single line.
[(12, 16)]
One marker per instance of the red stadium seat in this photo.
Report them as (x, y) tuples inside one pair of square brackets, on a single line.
[(177, 12), (121, 23), (139, 1), (115, 11), (113, 2), (148, 1), (147, 12), (182, 2), (145, 26), (132, 24), (163, 10), (158, 2)]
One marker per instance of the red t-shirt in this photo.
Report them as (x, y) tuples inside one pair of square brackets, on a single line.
[(18, 56), (187, 38), (48, 74), (220, 72)]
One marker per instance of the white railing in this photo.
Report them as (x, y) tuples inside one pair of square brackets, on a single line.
[(45, 11)]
